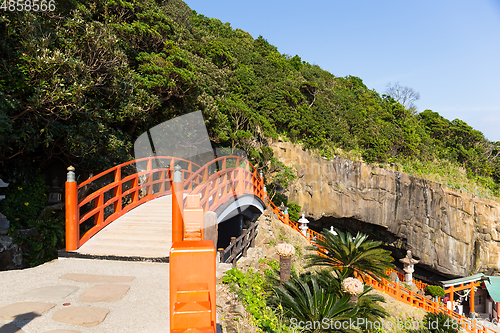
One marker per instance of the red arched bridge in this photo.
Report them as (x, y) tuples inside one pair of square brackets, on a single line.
[(154, 208)]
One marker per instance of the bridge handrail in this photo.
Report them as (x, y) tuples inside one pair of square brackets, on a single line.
[(203, 171), (394, 289), (120, 166), (224, 182), (153, 188)]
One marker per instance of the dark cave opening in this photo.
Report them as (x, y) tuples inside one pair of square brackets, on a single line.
[(397, 246)]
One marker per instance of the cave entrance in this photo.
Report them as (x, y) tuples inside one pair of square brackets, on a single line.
[(397, 246), (233, 227)]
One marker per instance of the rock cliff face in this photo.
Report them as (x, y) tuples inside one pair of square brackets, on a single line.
[(452, 232)]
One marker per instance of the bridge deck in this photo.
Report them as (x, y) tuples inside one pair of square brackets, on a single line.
[(145, 232)]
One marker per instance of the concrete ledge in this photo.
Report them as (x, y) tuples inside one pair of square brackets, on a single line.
[(70, 254)]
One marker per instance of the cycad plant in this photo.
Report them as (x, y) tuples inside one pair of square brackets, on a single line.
[(369, 308), (306, 298), (368, 303), (348, 254)]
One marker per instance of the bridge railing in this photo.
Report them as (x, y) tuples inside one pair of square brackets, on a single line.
[(239, 245), (117, 191), (215, 182), (223, 179), (394, 289), (405, 295)]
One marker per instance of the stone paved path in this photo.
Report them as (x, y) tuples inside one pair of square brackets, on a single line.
[(85, 295)]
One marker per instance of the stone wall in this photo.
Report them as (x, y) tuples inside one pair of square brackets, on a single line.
[(451, 231), (10, 254)]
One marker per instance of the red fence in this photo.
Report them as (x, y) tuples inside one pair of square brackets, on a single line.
[(116, 194), (394, 289), (234, 176), (218, 181)]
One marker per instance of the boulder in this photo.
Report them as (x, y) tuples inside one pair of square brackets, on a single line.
[(10, 254)]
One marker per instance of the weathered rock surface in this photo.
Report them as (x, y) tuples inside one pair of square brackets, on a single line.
[(10, 254), (451, 231)]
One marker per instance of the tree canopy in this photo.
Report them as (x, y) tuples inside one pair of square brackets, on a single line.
[(81, 83)]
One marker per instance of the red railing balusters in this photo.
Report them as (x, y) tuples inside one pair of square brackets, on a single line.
[(116, 187), (117, 192), (99, 217)]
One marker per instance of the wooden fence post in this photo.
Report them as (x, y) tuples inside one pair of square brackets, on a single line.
[(72, 229), (244, 241), (233, 250), (221, 254), (252, 234)]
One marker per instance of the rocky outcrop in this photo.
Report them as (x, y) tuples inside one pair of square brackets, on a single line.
[(450, 231), (10, 254)]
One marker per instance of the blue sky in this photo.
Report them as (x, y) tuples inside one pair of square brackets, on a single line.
[(448, 51)]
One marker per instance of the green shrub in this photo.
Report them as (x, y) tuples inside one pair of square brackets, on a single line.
[(254, 291), (435, 291), (42, 246), (294, 210), (438, 323), (24, 201)]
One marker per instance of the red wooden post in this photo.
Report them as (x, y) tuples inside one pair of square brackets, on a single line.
[(162, 181), (149, 177), (117, 192), (72, 230), (472, 300), (261, 183), (98, 203), (177, 206), (135, 185)]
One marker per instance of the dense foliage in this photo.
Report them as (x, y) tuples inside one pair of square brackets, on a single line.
[(81, 83), (328, 296), (435, 291), (253, 290), (437, 323)]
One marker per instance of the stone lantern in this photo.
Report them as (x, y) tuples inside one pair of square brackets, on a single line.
[(408, 261), (55, 193), (332, 231), (303, 224)]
